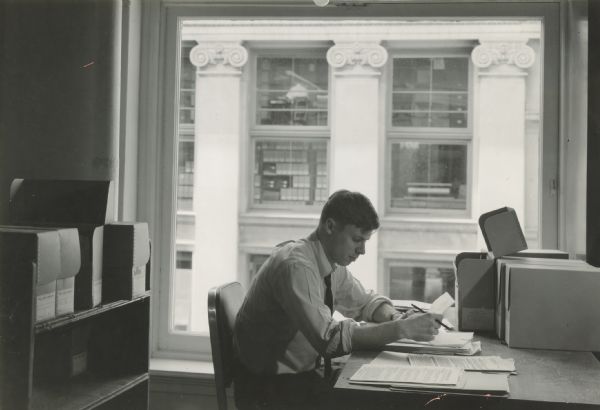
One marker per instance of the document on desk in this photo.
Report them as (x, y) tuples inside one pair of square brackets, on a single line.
[(479, 363), (386, 375), (476, 383)]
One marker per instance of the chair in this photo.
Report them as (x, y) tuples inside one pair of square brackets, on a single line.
[(223, 304)]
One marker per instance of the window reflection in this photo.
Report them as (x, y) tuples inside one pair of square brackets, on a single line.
[(423, 283), (292, 91), (430, 92)]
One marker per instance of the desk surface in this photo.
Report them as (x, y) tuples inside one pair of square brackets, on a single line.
[(546, 379)]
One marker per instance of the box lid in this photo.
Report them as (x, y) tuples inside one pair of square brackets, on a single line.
[(42, 247), (47, 201), (502, 232)]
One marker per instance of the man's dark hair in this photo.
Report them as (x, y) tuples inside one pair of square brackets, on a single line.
[(350, 208)]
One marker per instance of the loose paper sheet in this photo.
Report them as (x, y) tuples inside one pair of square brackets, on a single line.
[(478, 363), (442, 303)]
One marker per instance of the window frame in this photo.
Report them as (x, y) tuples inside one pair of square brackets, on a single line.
[(259, 132), (156, 123), (438, 135), (455, 213)]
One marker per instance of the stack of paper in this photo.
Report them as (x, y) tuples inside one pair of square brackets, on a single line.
[(434, 379), (445, 342)]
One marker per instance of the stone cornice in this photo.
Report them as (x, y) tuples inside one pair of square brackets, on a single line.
[(219, 54), (352, 30), (490, 53)]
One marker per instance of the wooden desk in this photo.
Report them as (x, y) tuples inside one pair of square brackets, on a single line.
[(546, 379)]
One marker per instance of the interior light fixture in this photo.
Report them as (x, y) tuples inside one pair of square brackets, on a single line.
[(321, 3)]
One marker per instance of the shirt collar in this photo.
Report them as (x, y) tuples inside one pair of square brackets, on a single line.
[(325, 267)]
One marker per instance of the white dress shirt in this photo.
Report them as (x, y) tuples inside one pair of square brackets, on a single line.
[(284, 324)]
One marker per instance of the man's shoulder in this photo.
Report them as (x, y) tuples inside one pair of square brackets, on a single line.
[(296, 252)]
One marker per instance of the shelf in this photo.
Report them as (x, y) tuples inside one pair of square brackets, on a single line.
[(65, 320), (84, 392)]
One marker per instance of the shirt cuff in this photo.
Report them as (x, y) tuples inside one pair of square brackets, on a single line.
[(347, 330), (373, 305)]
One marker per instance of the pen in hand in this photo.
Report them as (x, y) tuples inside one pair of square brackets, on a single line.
[(422, 311)]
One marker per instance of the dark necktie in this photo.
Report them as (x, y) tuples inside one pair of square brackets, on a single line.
[(329, 303)]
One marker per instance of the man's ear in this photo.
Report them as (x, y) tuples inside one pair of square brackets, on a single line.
[(330, 226)]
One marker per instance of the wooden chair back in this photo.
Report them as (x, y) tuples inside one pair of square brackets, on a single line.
[(223, 304)]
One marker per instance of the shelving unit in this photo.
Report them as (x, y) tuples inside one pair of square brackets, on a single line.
[(33, 356)]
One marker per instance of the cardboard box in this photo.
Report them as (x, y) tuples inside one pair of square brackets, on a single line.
[(552, 258), (126, 255), (70, 257), (552, 306), (88, 284), (21, 247), (70, 263), (85, 205)]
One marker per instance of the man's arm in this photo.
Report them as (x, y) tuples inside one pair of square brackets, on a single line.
[(385, 312), (420, 326)]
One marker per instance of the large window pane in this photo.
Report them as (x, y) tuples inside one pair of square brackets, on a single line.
[(430, 92), (185, 220), (290, 172), (428, 175), (291, 91)]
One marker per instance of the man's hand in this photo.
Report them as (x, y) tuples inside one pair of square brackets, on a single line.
[(419, 326)]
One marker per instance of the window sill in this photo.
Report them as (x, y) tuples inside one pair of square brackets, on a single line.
[(200, 369), (182, 377)]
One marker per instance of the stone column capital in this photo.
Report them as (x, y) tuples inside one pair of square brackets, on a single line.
[(368, 55), (516, 53), (219, 54)]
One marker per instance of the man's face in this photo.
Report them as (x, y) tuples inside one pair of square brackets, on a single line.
[(346, 243)]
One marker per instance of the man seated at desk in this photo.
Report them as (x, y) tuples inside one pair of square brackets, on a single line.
[(285, 323)]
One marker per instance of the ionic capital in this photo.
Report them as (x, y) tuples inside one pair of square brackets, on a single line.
[(218, 54), (503, 52), (357, 54)]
